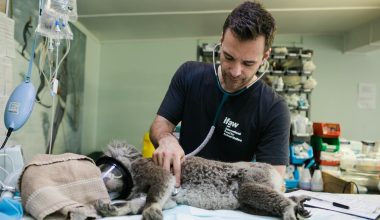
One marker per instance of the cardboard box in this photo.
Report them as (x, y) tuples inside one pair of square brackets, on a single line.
[(334, 184)]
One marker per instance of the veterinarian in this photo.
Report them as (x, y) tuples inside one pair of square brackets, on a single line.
[(252, 122)]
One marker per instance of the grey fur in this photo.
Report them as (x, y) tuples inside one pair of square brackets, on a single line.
[(251, 187)]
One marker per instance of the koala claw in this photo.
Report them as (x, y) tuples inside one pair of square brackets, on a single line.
[(105, 208), (152, 213), (300, 210)]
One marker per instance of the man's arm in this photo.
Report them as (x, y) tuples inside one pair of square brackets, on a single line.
[(281, 169), (168, 152), (161, 127)]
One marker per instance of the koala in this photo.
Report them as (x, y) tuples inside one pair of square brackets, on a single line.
[(254, 188)]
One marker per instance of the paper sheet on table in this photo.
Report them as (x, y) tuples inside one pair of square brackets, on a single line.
[(362, 205), (183, 212)]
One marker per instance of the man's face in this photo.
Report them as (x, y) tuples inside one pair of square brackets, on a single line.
[(240, 61)]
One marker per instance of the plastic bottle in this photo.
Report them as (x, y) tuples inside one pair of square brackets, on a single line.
[(280, 84), (317, 181), (305, 181)]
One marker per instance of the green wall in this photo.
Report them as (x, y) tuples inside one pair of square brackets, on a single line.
[(90, 93), (134, 76), (125, 82)]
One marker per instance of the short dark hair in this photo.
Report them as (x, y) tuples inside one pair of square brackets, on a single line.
[(250, 20)]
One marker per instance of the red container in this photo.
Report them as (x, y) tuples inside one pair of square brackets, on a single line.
[(326, 130)]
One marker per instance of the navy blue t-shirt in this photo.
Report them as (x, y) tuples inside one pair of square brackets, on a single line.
[(254, 124)]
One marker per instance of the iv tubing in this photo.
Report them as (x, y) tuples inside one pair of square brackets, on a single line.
[(29, 73), (53, 93)]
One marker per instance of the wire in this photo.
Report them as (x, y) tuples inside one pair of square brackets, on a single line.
[(225, 97), (51, 127), (29, 73), (42, 60), (337, 186), (6, 138), (64, 56), (349, 184)]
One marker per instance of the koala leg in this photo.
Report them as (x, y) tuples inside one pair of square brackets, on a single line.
[(259, 199), (158, 194), (130, 207)]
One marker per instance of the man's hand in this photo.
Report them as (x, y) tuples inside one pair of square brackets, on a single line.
[(170, 154)]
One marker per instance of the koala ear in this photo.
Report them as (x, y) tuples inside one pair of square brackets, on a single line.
[(118, 149)]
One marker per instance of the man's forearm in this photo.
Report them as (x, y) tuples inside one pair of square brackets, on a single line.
[(280, 169), (160, 129)]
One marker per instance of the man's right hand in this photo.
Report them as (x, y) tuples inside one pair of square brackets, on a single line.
[(170, 155)]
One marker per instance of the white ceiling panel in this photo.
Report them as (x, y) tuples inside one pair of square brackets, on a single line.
[(141, 19)]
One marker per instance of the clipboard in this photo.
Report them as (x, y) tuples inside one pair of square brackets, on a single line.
[(361, 205)]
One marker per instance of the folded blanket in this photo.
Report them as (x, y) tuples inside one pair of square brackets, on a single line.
[(67, 183)]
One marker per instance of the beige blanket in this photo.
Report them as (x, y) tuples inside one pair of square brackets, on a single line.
[(67, 183)]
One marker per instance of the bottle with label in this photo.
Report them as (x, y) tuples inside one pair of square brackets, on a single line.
[(317, 181), (305, 180), (368, 148), (280, 84)]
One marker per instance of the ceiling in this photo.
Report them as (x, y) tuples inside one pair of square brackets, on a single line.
[(146, 19)]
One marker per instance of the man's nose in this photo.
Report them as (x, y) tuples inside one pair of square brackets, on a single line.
[(236, 70)]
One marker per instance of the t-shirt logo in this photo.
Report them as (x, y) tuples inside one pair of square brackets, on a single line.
[(230, 130), (230, 123)]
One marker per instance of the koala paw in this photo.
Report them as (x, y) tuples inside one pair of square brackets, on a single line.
[(105, 208), (299, 209), (289, 214), (301, 212), (152, 213), (300, 199)]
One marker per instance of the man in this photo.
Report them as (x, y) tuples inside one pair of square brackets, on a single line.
[(252, 125)]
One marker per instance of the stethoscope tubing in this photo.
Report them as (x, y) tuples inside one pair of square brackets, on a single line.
[(226, 95)]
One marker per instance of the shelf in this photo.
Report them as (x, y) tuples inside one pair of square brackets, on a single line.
[(290, 90), (291, 53), (279, 56), (293, 72), (302, 135), (290, 56), (284, 62), (288, 72), (292, 108), (273, 56)]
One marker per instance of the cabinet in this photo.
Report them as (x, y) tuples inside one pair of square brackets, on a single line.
[(290, 74)]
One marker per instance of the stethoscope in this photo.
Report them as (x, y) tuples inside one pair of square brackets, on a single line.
[(226, 95)]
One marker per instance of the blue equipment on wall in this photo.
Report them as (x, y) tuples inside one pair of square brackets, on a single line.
[(19, 106), (20, 103)]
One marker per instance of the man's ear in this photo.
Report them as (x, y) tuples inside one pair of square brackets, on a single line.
[(267, 54)]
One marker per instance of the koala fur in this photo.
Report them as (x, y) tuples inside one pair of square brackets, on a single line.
[(251, 187)]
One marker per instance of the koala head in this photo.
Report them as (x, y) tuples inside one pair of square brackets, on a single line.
[(123, 152)]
